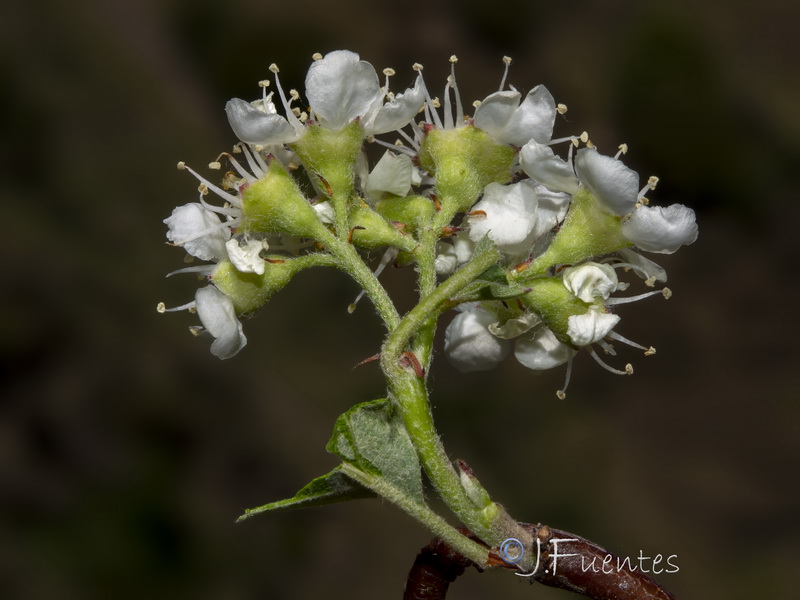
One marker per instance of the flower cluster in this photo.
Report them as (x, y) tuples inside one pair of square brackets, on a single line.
[(566, 224)]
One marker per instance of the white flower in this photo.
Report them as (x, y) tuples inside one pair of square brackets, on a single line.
[(613, 184), (246, 258), (340, 89), (393, 174), (540, 350), (540, 163), (590, 281), (661, 229), (218, 316), (503, 117), (199, 231), (507, 214), (470, 345), (590, 327)]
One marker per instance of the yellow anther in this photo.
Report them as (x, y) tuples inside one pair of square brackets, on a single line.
[(203, 189), (476, 104), (561, 109), (561, 394), (181, 166), (264, 83), (629, 369), (585, 137), (215, 166), (417, 67), (623, 148), (389, 72), (161, 308), (650, 351), (274, 68), (453, 59), (195, 330), (667, 293), (652, 182), (507, 60), (316, 56)]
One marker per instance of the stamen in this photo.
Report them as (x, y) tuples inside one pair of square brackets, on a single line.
[(286, 104), (562, 393), (623, 149), (607, 348), (651, 184), (204, 269), (615, 336), (507, 62), (561, 109), (243, 173), (316, 56), (628, 368), (459, 107), (217, 190), (257, 164), (190, 306), (627, 300)]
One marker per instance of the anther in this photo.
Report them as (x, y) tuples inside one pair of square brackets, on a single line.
[(389, 72), (294, 94), (453, 59), (652, 182), (161, 308), (650, 351), (215, 166), (667, 293), (476, 103), (274, 68), (264, 83), (417, 67), (507, 61), (181, 166), (316, 56), (561, 109), (584, 137), (196, 331)]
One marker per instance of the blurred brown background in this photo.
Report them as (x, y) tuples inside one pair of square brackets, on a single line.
[(127, 450)]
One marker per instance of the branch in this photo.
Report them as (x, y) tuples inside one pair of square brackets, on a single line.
[(566, 561)]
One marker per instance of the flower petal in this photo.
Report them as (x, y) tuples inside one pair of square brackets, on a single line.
[(644, 267), (199, 231), (469, 344), (590, 327), (540, 350), (341, 88), (540, 163), (533, 120), (495, 112), (659, 229), (246, 258), (590, 281), (254, 126), (613, 184), (392, 174), (399, 112), (510, 216), (218, 316)]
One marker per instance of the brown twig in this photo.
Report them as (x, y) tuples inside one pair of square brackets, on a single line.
[(564, 561)]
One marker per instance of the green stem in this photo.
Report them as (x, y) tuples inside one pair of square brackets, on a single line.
[(440, 528), (408, 390), (349, 260)]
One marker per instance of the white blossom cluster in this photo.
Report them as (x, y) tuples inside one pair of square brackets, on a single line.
[(576, 219)]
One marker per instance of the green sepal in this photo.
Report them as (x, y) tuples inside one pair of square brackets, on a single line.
[(371, 230), (552, 301), (588, 230), (275, 203), (482, 291), (326, 489), (372, 438), (331, 155), (464, 160), (250, 291), (413, 211)]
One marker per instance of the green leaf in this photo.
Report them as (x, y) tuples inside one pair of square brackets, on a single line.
[(326, 489), (372, 437)]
